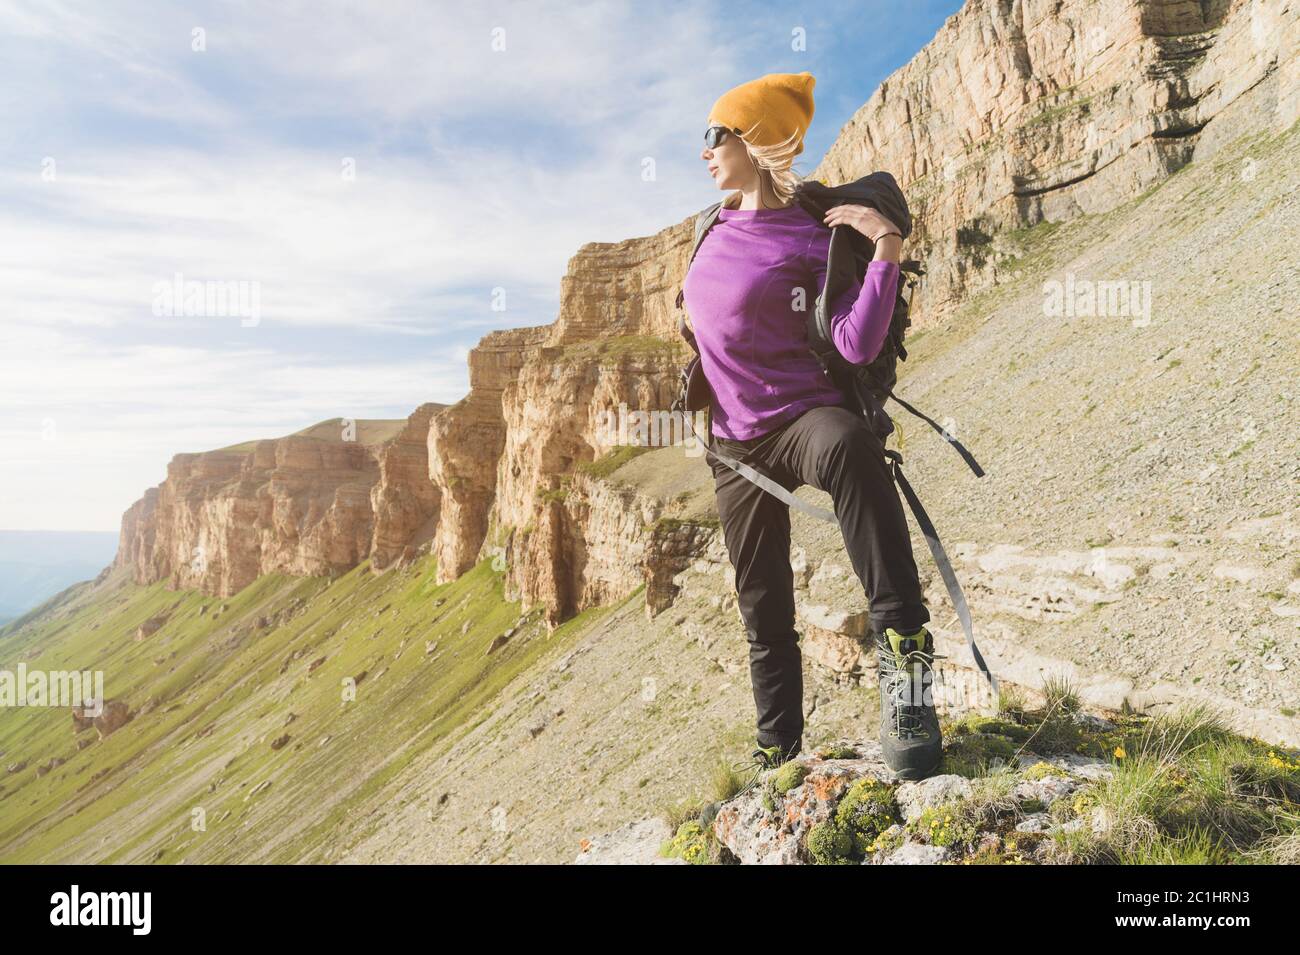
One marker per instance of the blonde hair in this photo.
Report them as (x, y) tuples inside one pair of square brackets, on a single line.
[(775, 167)]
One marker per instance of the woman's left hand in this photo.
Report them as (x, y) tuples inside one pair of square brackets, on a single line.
[(862, 218)]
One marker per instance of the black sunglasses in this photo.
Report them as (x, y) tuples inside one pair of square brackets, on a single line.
[(715, 136)]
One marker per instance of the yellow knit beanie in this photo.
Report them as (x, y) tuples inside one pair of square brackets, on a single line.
[(777, 104)]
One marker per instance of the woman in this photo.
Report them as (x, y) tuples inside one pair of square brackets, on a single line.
[(759, 269)]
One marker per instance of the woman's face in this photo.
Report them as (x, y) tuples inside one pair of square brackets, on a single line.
[(729, 162)]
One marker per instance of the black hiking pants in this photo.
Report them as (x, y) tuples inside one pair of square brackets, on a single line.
[(833, 449)]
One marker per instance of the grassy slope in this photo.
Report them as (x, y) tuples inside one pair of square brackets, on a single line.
[(224, 689)]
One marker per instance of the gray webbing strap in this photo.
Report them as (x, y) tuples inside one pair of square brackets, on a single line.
[(766, 483), (944, 564)]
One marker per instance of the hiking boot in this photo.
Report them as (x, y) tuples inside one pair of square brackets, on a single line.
[(909, 726)]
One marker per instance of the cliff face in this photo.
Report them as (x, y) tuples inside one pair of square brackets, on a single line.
[(305, 504), (1021, 111), (1018, 111), (404, 502), (464, 449), (502, 457)]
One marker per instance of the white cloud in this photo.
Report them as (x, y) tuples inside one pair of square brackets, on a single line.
[(474, 170)]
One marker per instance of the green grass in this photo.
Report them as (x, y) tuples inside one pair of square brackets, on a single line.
[(223, 689), (1186, 790), (612, 460)]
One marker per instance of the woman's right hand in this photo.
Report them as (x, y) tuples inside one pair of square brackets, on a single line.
[(864, 219)]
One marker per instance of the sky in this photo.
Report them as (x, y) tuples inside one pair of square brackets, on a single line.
[(371, 186)]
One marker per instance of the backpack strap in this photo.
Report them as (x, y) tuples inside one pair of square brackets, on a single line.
[(942, 562), (943, 433), (754, 476), (685, 331), (703, 223)]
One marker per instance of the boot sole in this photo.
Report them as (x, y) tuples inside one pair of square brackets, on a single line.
[(914, 775)]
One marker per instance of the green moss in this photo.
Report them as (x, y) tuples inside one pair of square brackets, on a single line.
[(944, 825), (867, 809), (888, 840), (1041, 770), (789, 776), (838, 752), (690, 842), (829, 843)]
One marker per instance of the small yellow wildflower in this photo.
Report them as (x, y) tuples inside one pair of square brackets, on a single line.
[(1119, 752)]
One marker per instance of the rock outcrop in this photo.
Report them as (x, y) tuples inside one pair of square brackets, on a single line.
[(404, 501), (1020, 111), (303, 504), (842, 805), (1005, 790)]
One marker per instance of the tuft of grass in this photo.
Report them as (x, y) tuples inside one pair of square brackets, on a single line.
[(726, 781), (1011, 702), (1061, 695), (678, 813), (1186, 790)]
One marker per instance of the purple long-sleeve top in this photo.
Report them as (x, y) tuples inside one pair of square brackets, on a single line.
[(748, 292)]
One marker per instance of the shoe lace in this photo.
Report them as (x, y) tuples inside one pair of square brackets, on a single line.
[(759, 762), (900, 676)]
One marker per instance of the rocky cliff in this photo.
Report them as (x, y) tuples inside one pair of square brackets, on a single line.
[(1021, 111), (313, 503), (1016, 113)]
